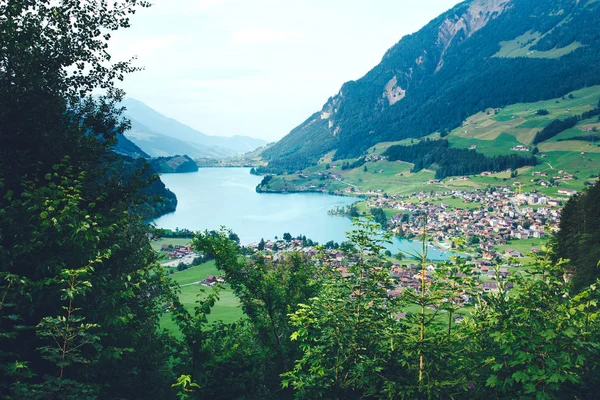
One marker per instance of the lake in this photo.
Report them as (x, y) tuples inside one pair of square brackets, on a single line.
[(215, 197)]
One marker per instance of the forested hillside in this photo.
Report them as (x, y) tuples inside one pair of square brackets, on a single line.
[(579, 237), (174, 164), (131, 161), (126, 147), (481, 54)]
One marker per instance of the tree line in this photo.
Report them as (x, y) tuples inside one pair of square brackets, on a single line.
[(560, 125), (354, 164), (578, 239), (453, 161), (554, 128)]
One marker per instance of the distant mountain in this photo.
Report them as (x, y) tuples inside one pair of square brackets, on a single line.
[(127, 148), (160, 145), (482, 54), (160, 136)]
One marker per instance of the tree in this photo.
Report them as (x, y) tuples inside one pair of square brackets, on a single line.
[(537, 343), (330, 245), (182, 266), (578, 238), (233, 236), (75, 261), (261, 244), (379, 216), (268, 291), (335, 330), (287, 237), (353, 211)]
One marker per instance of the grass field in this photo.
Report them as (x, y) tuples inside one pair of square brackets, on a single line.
[(524, 246), (227, 309), (157, 244), (495, 131), (521, 45), (500, 145)]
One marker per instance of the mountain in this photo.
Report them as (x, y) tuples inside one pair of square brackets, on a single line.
[(173, 164), (126, 147), (160, 145), (161, 136), (481, 54)]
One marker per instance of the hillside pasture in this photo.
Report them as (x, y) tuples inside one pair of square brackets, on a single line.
[(521, 121), (227, 309)]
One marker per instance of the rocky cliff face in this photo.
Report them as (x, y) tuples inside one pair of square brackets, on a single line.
[(459, 27)]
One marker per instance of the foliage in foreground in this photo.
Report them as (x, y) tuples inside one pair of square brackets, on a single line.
[(80, 292), (348, 335), (578, 239)]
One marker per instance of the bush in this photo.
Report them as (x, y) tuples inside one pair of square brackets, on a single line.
[(182, 266)]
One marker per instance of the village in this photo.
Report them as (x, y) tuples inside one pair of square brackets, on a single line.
[(489, 219), (494, 218), (404, 273), (502, 215)]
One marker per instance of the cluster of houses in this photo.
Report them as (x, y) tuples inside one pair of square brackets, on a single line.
[(275, 246), (498, 216), (177, 251), (502, 216), (403, 276), (211, 280), (520, 147), (540, 177)]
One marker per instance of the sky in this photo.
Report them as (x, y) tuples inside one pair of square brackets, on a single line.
[(258, 68)]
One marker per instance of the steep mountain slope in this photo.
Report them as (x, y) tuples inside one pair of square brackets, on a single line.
[(480, 54), (126, 147), (162, 136)]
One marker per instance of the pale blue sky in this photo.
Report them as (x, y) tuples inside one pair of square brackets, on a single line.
[(259, 67)]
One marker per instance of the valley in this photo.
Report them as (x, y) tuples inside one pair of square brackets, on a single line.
[(428, 228)]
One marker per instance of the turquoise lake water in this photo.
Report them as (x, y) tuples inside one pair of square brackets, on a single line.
[(215, 197)]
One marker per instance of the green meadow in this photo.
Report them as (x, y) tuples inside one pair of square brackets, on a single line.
[(227, 309)]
